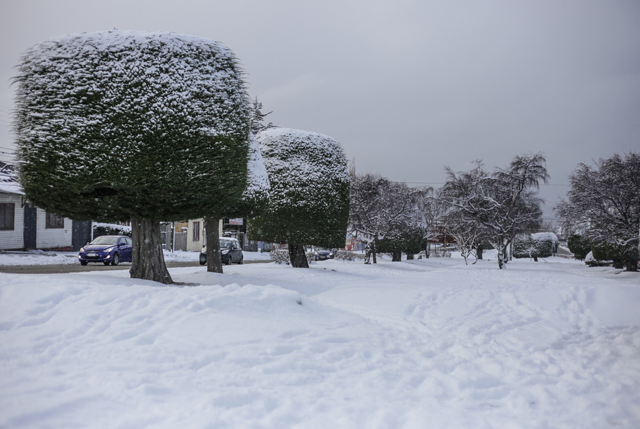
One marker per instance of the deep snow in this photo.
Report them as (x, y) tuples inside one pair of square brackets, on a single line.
[(415, 344)]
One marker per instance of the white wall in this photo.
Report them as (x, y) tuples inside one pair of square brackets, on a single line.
[(196, 246), (193, 245), (53, 237), (13, 239)]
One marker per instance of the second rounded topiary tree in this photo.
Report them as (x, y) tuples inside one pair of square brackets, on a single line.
[(309, 197)]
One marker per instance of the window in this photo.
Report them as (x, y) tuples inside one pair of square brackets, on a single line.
[(196, 231), (7, 216), (54, 221)]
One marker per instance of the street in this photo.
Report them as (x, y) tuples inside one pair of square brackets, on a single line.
[(77, 268)]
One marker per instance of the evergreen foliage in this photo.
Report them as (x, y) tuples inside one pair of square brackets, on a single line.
[(579, 246), (255, 198), (257, 117), (409, 241), (309, 202), (118, 125)]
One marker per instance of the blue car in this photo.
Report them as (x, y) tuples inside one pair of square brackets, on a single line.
[(108, 249)]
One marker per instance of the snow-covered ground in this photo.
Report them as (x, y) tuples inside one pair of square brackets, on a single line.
[(416, 344), (39, 257)]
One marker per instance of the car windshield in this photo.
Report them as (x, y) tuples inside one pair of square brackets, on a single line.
[(106, 239), (225, 244)]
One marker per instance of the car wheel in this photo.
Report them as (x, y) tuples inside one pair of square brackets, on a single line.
[(203, 258), (83, 262), (241, 261), (229, 260), (116, 259)]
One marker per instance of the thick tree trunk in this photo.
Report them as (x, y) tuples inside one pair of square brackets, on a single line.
[(632, 265), (396, 256), (297, 256), (479, 252), (148, 260), (409, 256), (214, 259)]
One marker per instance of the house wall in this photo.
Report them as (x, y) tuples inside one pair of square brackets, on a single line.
[(52, 238), (196, 246), (13, 240)]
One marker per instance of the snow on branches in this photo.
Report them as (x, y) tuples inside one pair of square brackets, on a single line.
[(387, 214), (502, 203), (604, 205)]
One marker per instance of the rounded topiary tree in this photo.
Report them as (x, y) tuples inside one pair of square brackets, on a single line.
[(309, 202), (139, 126)]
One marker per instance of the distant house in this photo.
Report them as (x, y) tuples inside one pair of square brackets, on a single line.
[(196, 236), (23, 226)]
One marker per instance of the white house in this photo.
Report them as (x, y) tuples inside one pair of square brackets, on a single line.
[(24, 226)]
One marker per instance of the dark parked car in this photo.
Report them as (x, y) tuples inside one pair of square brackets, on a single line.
[(322, 254), (230, 252), (108, 249)]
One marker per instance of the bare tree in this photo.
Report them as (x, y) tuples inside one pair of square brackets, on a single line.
[(503, 202), (385, 213), (604, 205), (467, 233)]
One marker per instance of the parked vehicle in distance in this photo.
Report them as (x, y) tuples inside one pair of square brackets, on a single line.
[(323, 254), (230, 252), (108, 249)]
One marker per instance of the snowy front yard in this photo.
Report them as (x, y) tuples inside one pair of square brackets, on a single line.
[(418, 344)]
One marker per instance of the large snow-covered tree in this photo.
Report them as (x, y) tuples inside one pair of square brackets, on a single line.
[(255, 200), (140, 126), (502, 203), (309, 197), (386, 214), (604, 206)]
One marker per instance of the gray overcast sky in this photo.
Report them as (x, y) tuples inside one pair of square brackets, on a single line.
[(406, 86)]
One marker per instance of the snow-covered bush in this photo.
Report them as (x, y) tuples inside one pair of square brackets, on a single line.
[(309, 197), (591, 261), (281, 256), (100, 229), (539, 245), (345, 255), (579, 246)]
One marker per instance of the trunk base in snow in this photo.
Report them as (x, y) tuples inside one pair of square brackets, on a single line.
[(297, 256), (214, 259), (147, 261)]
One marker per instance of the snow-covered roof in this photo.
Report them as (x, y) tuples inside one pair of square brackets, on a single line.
[(9, 184)]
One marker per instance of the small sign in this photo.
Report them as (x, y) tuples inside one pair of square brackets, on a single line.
[(237, 221)]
